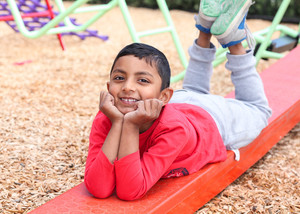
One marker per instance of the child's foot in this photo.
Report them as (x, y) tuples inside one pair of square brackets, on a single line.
[(209, 11), (230, 28)]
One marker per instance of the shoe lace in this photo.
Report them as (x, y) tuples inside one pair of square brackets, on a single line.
[(250, 38)]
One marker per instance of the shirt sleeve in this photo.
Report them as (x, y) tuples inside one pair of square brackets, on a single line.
[(99, 172), (135, 175)]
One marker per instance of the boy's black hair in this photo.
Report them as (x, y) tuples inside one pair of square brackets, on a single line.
[(152, 56)]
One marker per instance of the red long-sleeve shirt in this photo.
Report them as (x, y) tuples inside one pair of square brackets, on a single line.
[(180, 142)]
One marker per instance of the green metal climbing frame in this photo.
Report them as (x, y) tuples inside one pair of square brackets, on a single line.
[(263, 37), (50, 27)]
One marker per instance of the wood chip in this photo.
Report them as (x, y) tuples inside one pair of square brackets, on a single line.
[(48, 106)]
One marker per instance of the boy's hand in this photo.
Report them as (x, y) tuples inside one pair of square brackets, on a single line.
[(135, 122), (147, 111), (107, 107)]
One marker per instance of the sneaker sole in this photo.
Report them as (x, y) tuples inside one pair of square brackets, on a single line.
[(207, 21), (207, 13), (209, 18), (236, 21)]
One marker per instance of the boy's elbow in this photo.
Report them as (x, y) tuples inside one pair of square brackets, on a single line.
[(125, 197), (101, 195), (98, 192), (128, 196)]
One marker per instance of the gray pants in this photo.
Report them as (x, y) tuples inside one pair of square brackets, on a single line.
[(239, 120)]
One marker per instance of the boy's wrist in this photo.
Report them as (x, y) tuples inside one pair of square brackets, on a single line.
[(130, 124), (117, 120), (129, 140)]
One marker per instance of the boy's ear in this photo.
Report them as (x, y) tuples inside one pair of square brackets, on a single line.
[(166, 95)]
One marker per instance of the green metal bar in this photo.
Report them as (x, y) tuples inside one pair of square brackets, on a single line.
[(170, 28), (287, 31), (96, 8), (262, 32), (263, 37), (260, 35), (178, 77), (75, 28), (153, 32), (50, 28), (277, 19), (299, 33), (220, 51), (259, 38), (128, 20), (54, 22), (166, 13), (220, 59), (61, 9), (272, 55), (102, 9)]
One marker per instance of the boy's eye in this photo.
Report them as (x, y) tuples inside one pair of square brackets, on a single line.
[(118, 78), (143, 80)]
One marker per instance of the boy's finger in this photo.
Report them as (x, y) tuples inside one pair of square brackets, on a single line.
[(157, 105), (140, 104), (102, 95), (147, 105)]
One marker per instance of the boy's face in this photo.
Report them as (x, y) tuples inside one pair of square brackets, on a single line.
[(133, 80)]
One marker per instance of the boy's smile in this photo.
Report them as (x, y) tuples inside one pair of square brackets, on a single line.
[(133, 80)]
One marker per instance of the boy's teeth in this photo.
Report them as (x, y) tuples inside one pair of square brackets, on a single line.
[(129, 100)]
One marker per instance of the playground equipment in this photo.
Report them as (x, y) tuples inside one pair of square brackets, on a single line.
[(48, 12), (101, 9), (187, 194), (287, 40), (35, 15), (266, 47)]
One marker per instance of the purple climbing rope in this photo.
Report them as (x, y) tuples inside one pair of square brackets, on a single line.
[(35, 23)]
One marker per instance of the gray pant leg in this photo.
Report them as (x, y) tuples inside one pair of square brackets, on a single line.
[(196, 84), (247, 82), (248, 113), (239, 120), (200, 69)]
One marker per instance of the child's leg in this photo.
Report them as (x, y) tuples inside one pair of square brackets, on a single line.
[(245, 116), (211, 18), (242, 118), (239, 120), (248, 85), (200, 68)]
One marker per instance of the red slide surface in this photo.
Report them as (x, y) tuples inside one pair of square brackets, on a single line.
[(189, 193)]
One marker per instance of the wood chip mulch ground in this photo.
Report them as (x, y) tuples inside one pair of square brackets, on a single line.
[(49, 97)]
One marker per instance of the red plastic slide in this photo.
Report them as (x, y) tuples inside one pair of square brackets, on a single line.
[(189, 193)]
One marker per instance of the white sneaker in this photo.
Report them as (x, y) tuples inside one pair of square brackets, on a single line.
[(230, 27), (209, 11)]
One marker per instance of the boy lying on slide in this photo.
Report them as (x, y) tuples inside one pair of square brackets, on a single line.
[(144, 131)]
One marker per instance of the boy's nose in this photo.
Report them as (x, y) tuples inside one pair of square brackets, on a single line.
[(129, 86)]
